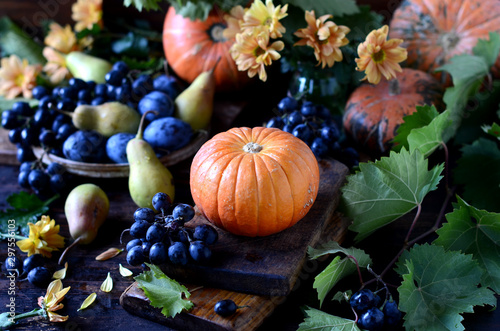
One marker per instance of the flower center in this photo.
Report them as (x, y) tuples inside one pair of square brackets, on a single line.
[(258, 52), (19, 80), (378, 56)]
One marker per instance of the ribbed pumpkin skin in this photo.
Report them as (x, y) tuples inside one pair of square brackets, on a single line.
[(372, 114), (190, 50), (435, 30), (254, 194)]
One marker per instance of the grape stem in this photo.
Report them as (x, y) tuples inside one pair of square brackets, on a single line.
[(357, 267)]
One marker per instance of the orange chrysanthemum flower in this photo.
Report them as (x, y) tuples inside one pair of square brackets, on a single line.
[(380, 57), (61, 39), (17, 77), (265, 15), (51, 302), (325, 37), (253, 52), (86, 13), (43, 238), (55, 67), (233, 20)]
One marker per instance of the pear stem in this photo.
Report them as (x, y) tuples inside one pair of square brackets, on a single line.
[(141, 124), (63, 255)]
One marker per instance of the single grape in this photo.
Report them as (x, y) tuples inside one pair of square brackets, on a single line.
[(57, 183), (33, 261), (319, 147), (38, 179), (46, 102), (392, 313), (199, 251), (39, 92), (90, 85), (155, 233), (39, 276), (372, 319), (43, 118), (55, 168), (15, 135), (133, 243), (78, 84), (146, 214), (303, 132), (146, 247), (114, 77), (287, 104), (85, 96), (275, 122), (295, 118), (158, 253), (121, 66), (23, 108), (139, 229), (22, 179), (10, 120), (161, 201), (66, 130), (24, 154), (13, 263), (183, 213), (135, 256), (288, 128), (308, 109), (225, 307), (101, 90), (362, 300), (183, 235), (330, 133), (29, 136), (178, 253), (47, 138), (68, 92), (206, 233), (66, 104)]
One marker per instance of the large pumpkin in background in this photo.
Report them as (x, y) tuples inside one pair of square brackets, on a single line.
[(374, 112), (192, 47), (436, 30), (254, 181)]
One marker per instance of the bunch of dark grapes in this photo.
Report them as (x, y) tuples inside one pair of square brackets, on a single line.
[(373, 314), (44, 180), (164, 238), (314, 125)]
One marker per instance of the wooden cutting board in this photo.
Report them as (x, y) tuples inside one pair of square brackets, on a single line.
[(258, 272)]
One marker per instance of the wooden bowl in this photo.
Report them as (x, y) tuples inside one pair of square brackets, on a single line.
[(114, 170)]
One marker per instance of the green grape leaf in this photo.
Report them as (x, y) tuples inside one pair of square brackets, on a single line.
[(25, 208), (478, 170), (439, 286), (476, 232), (493, 130), (318, 320), (338, 268), (384, 190), (468, 72), (419, 119), (143, 4), (131, 45), (430, 137), (14, 40), (323, 7), (163, 292)]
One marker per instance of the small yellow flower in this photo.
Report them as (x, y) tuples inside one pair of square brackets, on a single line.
[(51, 301), (325, 37), (253, 52), (61, 39), (234, 20), (379, 56), (43, 238), (265, 15), (86, 13), (17, 77), (55, 67)]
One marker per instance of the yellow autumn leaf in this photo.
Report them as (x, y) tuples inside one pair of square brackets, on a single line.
[(108, 254), (125, 272), (61, 274), (107, 285), (87, 302)]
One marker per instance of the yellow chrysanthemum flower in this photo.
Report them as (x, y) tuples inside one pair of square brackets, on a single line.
[(233, 20), (55, 68), (61, 39), (325, 37), (43, 238), (253, 52), (265, 15), (17, 77), (379, 56), (86, 13), (51, 302)]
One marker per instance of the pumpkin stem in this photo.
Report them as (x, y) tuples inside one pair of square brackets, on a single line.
[(394, 88), (252, 147)]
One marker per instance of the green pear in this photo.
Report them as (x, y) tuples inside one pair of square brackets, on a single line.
[(108, 118), (147, 175), (87, 67), (195, 104)]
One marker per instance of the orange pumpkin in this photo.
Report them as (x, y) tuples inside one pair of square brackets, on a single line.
[(254, 181), (436, 30), (192, 47), (374, 112)]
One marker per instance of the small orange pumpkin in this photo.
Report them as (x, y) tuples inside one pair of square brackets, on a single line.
[(193, 47), (254, 181), (436, 30), (374, 112)]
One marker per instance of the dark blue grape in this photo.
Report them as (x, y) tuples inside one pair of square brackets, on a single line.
[(66, 104), (39, 92), (114, 77), (275, 122), (39, 276), (43, 118), (90, 85), (362, 300), (26, 166), (146, 214), (10, 120), (68, 92), (55, 92), (58, 183), (372, 319), (46, 102), (288, 128), (161, 201), (295, 118), (303, 132), (324, 113), (200, 252), (183, 213), (101, 90), (133, 243), (319, 147), (13, 263), (24, 154), (22, 179), (121, 66), (178, 253), (77, 84), (47, 138), (183, 234), (158, 253), (33, 261), (155, 233), (308, 109), (29, 136), (97, 101), (350, 156), (146, 246), (111, 94), (141, 86), (55, 168), (23, 108), (206, 233), (392, 313), (59, 120), (135, 256), (330, 133), (38, 179), (225, 307), (15, 135), (287, 104), (64, 131), (85, 96), (139, 229)]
